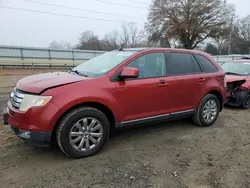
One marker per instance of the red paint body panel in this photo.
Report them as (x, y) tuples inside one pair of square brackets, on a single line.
[(246, 85), (35, 119), (127, 100), (233, 78), (130, 72), (37, 83)]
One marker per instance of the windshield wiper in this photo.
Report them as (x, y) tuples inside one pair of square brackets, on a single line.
[(78, 73), (233, 73)]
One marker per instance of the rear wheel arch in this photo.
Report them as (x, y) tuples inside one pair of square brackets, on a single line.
[(99, 106), (218, 95)]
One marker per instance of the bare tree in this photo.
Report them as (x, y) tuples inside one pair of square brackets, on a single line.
[(129, 34), (189, 21), (110, 40), (244, 30), (133, 31), (124, 34), (60, 45), (89, 41), (222, 38)]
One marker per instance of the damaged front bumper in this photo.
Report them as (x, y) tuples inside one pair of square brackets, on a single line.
[(235, 93)]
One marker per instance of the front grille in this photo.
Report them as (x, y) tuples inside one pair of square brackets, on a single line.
[(16, 98)]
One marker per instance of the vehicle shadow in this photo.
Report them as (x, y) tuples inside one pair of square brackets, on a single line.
[(120, 136), (228, 107), (152, 128)]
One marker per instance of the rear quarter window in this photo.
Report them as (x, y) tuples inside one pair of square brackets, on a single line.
[(206, 65)]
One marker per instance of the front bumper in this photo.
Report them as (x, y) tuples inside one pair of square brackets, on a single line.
[(37, 138), (34, 126), (41, 139)]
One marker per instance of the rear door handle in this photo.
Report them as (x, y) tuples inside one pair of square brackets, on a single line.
[(201, 79)]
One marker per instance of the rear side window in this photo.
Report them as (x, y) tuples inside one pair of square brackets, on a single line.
[(206, 65), (181, 63)]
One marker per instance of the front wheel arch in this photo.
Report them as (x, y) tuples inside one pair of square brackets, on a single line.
[(99, 106)]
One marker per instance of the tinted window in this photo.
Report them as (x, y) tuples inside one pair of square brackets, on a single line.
[(206, 65), (150, 65), (181, 63)]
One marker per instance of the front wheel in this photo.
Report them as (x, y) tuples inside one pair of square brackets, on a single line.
[(208, 111), (245, 95), (83, 132)]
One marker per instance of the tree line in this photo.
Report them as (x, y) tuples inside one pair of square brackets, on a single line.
[(210, 25)]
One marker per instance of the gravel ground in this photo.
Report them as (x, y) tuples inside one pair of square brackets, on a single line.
[(175, 154)]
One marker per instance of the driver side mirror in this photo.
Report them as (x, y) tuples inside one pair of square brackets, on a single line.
[(129, 72)]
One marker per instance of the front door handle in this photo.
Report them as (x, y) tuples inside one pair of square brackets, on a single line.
[(162, 83)]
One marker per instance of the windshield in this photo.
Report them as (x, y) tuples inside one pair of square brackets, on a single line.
[(239, 68), (102, 64)]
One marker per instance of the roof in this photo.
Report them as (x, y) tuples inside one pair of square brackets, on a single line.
[(134, 49), (164, 49)]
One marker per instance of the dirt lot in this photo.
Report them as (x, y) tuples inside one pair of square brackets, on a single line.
[(175, 154)]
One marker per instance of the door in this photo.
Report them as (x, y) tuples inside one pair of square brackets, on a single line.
[(142, 97), (183, 82)]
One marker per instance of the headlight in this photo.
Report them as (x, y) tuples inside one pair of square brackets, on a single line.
[(33, 101)]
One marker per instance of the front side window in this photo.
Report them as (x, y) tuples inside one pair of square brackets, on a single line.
[(102, 64), (150, 65), (181, 63), (237, 68)]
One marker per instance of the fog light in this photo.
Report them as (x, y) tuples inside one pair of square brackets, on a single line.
[(24, 134)]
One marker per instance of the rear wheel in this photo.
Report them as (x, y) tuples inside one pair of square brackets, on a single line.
[(83, 132), (208, 111)]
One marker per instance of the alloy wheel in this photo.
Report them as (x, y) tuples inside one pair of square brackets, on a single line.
[(209, 111), (86, 134)]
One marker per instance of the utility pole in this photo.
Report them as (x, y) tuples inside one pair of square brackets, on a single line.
[(230, 36)]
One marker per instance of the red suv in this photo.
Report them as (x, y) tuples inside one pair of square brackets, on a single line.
[(79, 108)]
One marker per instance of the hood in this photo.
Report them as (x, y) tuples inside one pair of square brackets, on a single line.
[(39, 82), (233, 78)]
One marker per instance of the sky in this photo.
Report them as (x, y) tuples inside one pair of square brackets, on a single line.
[(23, 28)]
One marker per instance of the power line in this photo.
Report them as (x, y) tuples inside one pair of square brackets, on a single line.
[(74, 8), (141, 2), (120, 4), (66, 15)]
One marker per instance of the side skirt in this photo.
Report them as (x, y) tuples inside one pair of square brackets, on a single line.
[(158, 119)]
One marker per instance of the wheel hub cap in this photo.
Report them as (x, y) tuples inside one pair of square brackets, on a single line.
[(209, 111), (86, 134)]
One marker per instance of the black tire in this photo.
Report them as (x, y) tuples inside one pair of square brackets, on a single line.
[(67, 122), (245, 96), (198, 118)]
